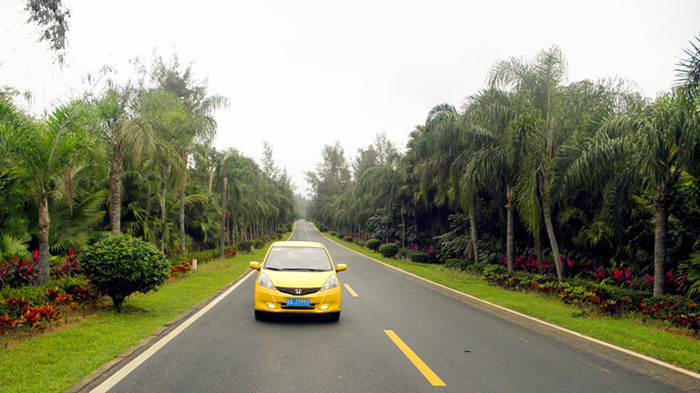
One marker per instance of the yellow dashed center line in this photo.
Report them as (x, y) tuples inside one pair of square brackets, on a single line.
[(353, 293), (420, 365)]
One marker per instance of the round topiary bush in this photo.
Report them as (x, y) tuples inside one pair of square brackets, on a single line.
[(388, 250), (246, 246), (122, 265), (373, 244), (259, 243)]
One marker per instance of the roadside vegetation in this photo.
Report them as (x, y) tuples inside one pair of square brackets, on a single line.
[(52, 356), (130, 165), (632, 330), (584, 181)]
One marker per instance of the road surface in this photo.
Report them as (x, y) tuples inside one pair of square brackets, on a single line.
[(396, 334)]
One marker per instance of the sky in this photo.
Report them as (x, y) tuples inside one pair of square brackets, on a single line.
[(301, 74)]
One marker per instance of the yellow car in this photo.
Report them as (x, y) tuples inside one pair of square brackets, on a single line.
[(297, 277)]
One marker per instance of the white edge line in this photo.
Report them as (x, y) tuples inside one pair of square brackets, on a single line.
[(126, 370), (577, 334)]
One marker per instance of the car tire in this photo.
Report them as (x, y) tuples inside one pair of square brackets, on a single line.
[(260, 315), (334, 316)]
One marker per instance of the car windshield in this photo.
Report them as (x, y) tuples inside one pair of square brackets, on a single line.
[(298, 258)]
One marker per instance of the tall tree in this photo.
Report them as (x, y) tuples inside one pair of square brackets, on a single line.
[(121, 134), (44, 151), (201, 108), (541, 83)]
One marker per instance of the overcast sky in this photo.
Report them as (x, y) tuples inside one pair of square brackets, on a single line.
[(302, 74)]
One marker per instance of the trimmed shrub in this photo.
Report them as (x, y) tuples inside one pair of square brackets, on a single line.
[(388, 250), (122, 265), (360, 242), (245, 246), (678, 310), (457, 263), (340, 236), (373, 244), (259, 243), (333, 233), (419, 256)]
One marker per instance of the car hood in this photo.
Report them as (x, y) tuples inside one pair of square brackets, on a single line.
[(298, 279)]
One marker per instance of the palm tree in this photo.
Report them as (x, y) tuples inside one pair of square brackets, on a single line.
[(540, 84), (120, 133), (201, 109), (168, 118), (45, 151), (667, 136), (497, 117)]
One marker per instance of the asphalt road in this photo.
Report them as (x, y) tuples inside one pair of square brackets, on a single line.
[(453, 346)]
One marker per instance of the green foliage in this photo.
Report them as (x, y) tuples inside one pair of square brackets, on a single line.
[(122, 265), (246, 246), (18, 272), (678, 310), (389, 250), (420, 256), (457, 263), (259, 243), (52, 16), (373, 244)]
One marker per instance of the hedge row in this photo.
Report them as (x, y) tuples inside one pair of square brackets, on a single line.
[(679, 311)]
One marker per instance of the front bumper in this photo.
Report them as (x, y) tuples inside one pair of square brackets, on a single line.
[(276, 302)]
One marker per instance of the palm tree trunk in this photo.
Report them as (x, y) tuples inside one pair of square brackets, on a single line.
[(182, 216), (211, 177), (164, 171), (68, 177), (115, 192), (223, 219), (660, 248), (474, 235), (44, 221), (546, 211), (403, 226), (510, 237)]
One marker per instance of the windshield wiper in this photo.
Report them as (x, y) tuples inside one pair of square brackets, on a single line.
[(303, 269)]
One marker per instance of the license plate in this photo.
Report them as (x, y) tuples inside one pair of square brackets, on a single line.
[(298, 302)]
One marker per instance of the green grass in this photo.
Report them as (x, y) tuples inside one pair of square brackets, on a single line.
[(53, 362), (652, 338)]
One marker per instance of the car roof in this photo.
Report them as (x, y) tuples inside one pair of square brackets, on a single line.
[(298, 244)]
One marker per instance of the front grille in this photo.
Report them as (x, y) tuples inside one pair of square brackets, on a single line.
[(304, 291), (284, 307)]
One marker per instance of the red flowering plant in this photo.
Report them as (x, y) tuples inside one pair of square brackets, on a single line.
[(181, 268), (70, 265), (18, 272), (677, 310)]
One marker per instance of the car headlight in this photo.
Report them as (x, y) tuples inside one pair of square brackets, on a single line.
[(264, 281), (331, 283)]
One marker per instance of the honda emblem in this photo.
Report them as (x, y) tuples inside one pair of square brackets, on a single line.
[(297, 291)]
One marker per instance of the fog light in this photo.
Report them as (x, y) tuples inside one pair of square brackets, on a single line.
[(324, 307), (270, 306)]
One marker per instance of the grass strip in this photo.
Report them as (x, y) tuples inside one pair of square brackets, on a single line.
[(53, 362), (652, 338)]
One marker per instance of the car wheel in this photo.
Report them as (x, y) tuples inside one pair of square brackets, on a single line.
[(260, 315), (334, 316)]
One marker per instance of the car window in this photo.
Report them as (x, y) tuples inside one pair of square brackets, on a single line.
[(298, 258)]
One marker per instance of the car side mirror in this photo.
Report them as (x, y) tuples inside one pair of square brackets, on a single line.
[(340, 267), (254, 265)]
